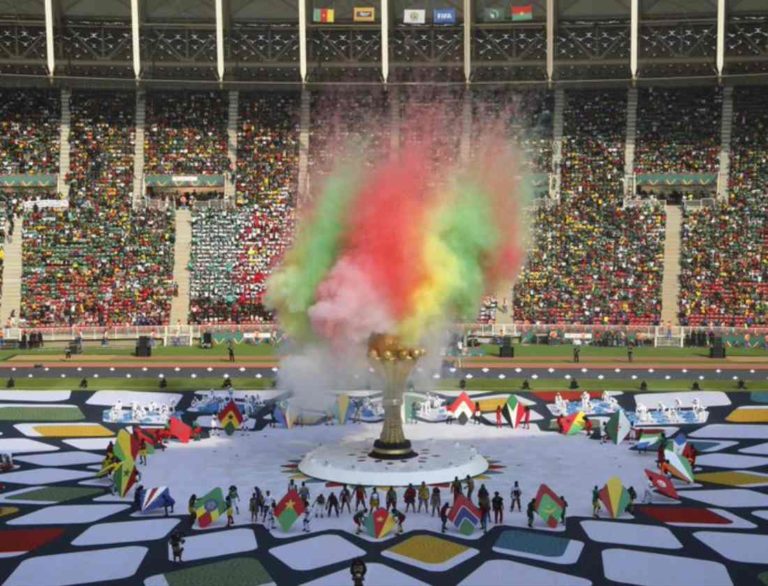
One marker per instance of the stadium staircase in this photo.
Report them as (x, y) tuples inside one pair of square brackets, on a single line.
[(629, 141), (557, 144), (233, 119), (182, 252), (726, 129), (304, 186), (11, 300), (670, 285), (62, 185), (138, 149)]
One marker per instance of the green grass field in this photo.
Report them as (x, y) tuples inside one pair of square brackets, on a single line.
[(185, 383), (94, 349), (533, 351), (525, 352)]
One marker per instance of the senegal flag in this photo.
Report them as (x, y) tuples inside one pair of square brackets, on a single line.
[(210, 507), (290, 508)]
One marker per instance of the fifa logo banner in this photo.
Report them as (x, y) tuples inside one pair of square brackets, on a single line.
[(367, 14), (444, 16), (415, 16)]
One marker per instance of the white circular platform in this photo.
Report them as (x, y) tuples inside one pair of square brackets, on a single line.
[(349, 463)]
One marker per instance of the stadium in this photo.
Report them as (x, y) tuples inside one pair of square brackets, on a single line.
[(383, 292)]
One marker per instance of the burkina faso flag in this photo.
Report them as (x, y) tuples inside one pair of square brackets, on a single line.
[(290, 508), (522, 13), (210, 507)]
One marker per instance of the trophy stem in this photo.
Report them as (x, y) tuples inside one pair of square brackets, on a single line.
[(394, 369)]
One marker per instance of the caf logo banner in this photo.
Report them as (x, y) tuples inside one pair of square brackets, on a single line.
[(366, 14), (415, 16), (444, 16)]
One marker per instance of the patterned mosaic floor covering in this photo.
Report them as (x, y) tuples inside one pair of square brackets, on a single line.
[(60, 525)]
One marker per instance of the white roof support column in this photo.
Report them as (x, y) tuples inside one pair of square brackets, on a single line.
[(303, 40), (220, 39), (467, 40), (49, 46), (721, 15), (385, 40), (633, 37), (135, 38), (550, 39)]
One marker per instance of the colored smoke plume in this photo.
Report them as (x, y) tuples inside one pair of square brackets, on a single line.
[(404, 246)]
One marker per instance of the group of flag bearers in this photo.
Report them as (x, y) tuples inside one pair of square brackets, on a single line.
[(675, 458)]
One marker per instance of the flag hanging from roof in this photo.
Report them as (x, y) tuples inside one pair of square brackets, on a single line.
[(494, 14), (549, 506), (157, 498), (323, 15), (290, 508), (414, 16), (363, 14), (464, 515), (615, 497), (678, 466), (520, 13), (513, 411), (210, 507), (662, 484), (230, 418), (379, 523), (618, 426)]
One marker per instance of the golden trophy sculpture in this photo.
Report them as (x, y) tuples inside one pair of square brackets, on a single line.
[(393, 362)]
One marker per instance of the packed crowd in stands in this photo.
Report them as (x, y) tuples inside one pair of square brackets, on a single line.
[(98, 262), (594, 261), (267, 145), (186, 134), (233, 254), (678, 130), (724, 258), (235, 251), (29, 131)]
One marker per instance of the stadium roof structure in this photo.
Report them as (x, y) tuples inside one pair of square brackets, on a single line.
[(255, 42)]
